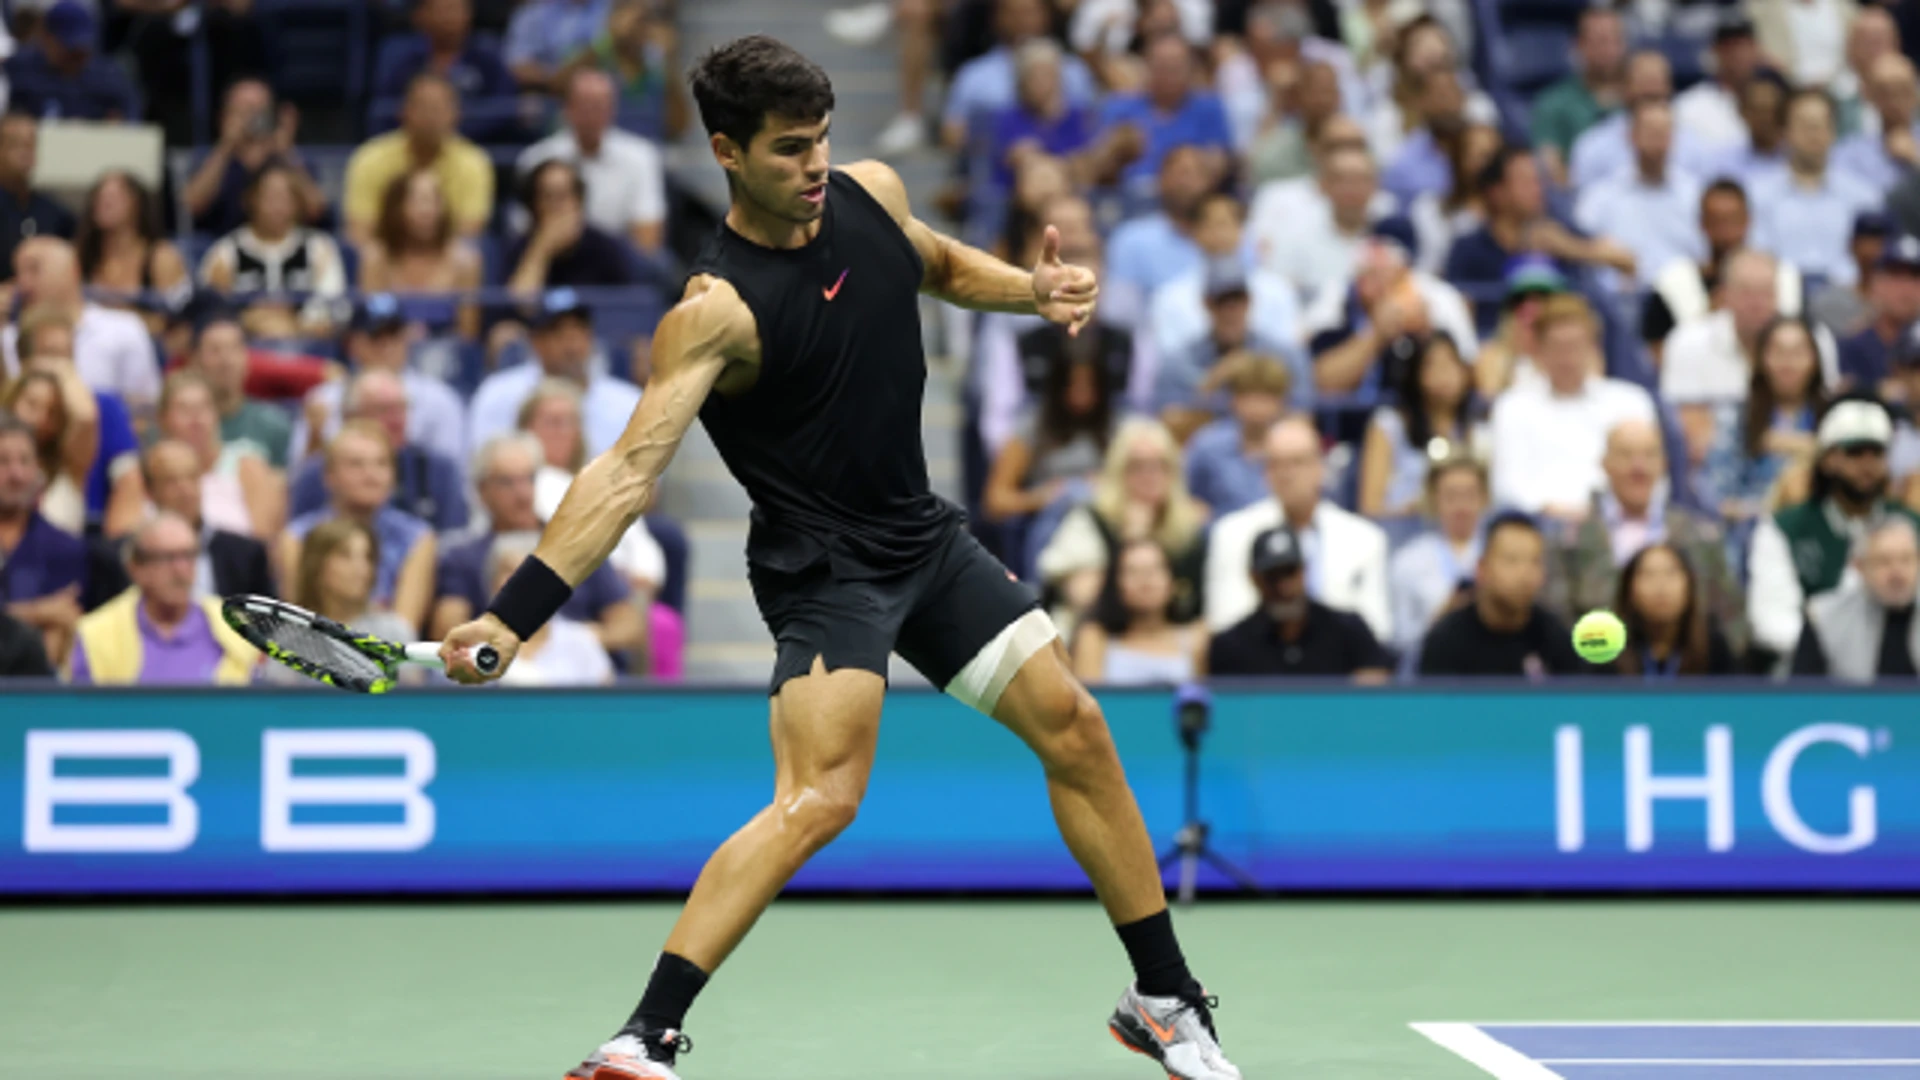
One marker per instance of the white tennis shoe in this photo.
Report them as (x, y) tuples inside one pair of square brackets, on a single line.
[(625, 1057), (1177, 1032)]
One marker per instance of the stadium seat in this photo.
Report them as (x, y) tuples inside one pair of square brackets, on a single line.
[(316, 49), (1539, 56)]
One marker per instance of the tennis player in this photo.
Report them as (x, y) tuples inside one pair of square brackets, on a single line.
[(797, 343)]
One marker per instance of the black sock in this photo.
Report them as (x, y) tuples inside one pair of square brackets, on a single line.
[(1159, 970), (676, 981)]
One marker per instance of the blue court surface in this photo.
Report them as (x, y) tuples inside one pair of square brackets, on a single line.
[(1685, 1051)]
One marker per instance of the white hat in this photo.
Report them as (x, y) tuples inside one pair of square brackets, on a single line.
[(1851, 423)]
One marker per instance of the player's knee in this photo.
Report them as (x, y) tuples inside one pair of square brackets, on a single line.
[(1076, 743), (815, 815)]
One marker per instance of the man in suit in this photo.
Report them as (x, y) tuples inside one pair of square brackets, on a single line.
[(1345, 555), (229, 563)]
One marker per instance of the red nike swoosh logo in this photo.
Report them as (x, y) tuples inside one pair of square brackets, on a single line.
[(835, 291)]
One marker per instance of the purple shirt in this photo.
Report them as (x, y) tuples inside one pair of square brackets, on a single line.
[(189, 656), (46, 561)]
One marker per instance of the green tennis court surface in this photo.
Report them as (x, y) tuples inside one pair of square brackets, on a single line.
[(912, 990)]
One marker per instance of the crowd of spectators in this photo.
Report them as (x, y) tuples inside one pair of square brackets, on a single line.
[(1400, 368), (359, 386)]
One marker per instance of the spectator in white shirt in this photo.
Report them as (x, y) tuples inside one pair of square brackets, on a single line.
[(1683, 289), (1805, 213), (1710, 108), (1650, 209), (1346, 554), (1549, 435), (111, 349), (1313, 240), (1707, 361), (1805, 39), (1177, 314), (626, 187), (1607, 147)]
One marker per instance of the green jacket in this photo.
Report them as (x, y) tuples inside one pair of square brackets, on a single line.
[(1581, 574), (1820, 551)]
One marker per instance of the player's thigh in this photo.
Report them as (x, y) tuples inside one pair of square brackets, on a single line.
[(1052, 712), (972, 625), (825, 725)]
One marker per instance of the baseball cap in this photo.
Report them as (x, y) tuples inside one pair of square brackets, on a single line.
[(1396, 229), (378, 314), (1226, 276), (71, 24), (1533, 273), (1855, 423), (1902, 252), (1277, 551), (558, 304), (1872, 223)]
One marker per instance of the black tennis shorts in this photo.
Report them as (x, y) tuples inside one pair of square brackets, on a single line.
[(937, 616)]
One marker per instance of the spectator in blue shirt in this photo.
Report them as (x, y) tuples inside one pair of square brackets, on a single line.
[(63, 76), (545, 34), (42, 569), (1804, 214), (1187, 389), (254, 134), (1421, 166), (1227, 459), (24, 212), (1171, 113), (1893, 293), (1149, 251), (428, 485), (1882, 158), (443, 42), (1042, 119), (987, 84)]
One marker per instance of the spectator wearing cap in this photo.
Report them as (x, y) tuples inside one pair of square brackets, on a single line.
[(1148, 251), (1358, 328), (1893, 296), (428, 485), (428, 140), (1801, 551), (228, 563), (1844, 308), (1631, 511), (1708, 360), (359, 478), (1289, 632), (22, 654), (220, 356), (1428, 571), (1180, 312), (622, 173), (254, 133), (1864, 631), (1651, 209), (1608, 146), (1431, 416), (1507, 357), (1710, 108), (1345, 554), (111, 349), (562, 341), (1171, 111), (158, 632), (1187, 392), (504, 470), (1517, 223), (1311, 234), (24, 212), (1803, 213), (376, 340), (1883, 157), (1549, 436), (1226, 459), (443, 43), (1502, 630), (273, 252), (61, 74), (1593, 89), (42, 569), (563, 247), (545, 34), (1683, 289)]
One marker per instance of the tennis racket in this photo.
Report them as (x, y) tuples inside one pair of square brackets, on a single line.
[(319, 648)]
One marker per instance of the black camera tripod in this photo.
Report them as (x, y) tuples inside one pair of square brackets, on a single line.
[(1192, 712)]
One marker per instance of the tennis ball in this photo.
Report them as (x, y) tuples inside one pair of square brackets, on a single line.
[(1599, 636)]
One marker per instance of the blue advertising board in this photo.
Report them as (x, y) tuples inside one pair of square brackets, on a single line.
[(1319, 789)]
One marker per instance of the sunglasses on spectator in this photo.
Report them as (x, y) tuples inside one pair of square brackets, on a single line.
[(1859, 450)]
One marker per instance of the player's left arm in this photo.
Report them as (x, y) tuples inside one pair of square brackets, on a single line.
[(965, 275)]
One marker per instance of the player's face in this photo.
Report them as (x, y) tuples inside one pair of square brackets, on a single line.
[(784, 171)]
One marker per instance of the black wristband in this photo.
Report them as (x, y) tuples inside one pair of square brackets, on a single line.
[(529, 598)]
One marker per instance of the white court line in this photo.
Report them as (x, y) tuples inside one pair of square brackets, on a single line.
[(1821, 1061), (1694, 1023), (1495, 1058)]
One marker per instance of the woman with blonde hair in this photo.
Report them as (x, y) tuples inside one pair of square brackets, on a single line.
[(239, 491), (1141, 494), (334, 577)]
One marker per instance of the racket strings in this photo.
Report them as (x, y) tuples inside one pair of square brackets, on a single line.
[(317, 647)]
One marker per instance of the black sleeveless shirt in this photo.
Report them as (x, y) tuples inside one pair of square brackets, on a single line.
[(827, 441)]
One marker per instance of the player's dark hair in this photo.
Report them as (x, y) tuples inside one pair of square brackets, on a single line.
[(738, 84), (1692, 640)]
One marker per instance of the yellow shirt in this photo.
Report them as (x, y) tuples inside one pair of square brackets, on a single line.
[(466, 175)]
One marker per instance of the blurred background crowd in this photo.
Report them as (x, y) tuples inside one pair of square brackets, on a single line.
[(1425, 326)]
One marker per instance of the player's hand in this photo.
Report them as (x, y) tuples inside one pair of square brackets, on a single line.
[(458, 649), (1063, 293)]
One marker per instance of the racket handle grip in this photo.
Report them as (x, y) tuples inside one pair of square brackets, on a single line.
[(486, 659)]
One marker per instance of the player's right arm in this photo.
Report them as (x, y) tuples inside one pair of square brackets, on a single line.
[(709, 329)]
